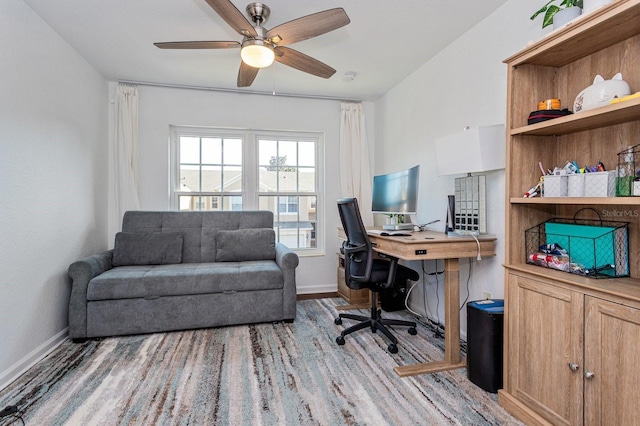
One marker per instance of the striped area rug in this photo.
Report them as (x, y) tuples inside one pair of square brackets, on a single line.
[(264, 374)]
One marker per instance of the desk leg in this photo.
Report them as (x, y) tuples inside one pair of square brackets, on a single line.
[(452, 357)]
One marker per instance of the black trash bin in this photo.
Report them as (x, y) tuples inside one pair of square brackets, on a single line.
[(485, 319)]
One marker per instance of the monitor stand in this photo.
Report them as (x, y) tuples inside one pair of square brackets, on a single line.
[(399, 227)]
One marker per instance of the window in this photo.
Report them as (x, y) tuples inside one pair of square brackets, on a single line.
[(210, 173), (220, 169), (287, 186)]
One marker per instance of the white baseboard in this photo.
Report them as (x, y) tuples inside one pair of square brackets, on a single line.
[(28, 361), (314, 289)]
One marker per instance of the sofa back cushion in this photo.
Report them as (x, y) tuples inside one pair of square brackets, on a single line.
[(241, 245), (148, 248), (199, 229)]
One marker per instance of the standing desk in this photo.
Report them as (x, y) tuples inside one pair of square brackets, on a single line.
[(430, 245)]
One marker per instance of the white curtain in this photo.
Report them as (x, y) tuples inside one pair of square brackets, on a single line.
[(355, 174), (125, 152)]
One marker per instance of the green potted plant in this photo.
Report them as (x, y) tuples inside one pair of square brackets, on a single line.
[(551, 8)]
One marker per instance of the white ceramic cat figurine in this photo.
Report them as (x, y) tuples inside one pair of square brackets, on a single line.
[(601, 92)]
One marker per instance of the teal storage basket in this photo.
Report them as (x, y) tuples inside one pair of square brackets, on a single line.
[(594, 248)]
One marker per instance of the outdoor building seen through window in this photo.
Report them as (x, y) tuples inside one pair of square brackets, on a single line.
[(223, 171)]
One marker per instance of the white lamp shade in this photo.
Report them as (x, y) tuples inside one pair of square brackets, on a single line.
[(478, 149), (257, 55)]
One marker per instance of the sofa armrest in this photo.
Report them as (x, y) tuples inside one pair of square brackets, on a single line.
[(288, 261), (81, 272)]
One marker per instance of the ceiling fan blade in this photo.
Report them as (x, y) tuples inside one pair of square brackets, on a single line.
[(233, 17), (197, 45), (308, 26), (302, 62), (246, 75)]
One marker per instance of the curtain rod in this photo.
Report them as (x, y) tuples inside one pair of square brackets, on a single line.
[(245, 92)]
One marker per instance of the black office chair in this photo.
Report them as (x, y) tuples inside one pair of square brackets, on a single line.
[(362, 270)]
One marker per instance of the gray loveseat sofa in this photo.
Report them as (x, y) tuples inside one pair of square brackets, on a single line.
[(184, 270)]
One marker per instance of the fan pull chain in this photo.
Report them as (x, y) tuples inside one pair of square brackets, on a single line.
[(273, 74)]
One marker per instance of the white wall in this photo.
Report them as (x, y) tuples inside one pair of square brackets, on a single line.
[(53, 124), (161, 107), (464, 85), (53, 150)]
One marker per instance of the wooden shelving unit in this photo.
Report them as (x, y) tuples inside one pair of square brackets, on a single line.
[(571, 341)]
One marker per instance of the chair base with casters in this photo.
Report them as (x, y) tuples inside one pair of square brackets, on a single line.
[(375, 322), (363, 269)]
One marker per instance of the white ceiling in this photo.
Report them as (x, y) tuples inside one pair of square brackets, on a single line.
[(385, 41)]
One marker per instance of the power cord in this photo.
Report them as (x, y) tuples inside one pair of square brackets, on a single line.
[(424, 226), (427, 316), (425, 274), (468, 279), (478, 243), (437, 328), (437, 332)]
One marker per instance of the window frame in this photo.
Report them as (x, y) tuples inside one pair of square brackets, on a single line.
[(250, 171)]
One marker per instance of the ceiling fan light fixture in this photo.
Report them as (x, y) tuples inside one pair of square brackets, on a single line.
[(257, 53)]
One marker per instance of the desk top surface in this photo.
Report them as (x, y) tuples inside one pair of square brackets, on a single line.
[(425, 245), (427, 237)]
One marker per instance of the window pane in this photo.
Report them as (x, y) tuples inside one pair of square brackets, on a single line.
[(233, 203), (189, 150), (288, 180), (307, 179), (307, 235), (186, 202), (189, 178), (307, 154), (268, 203), (288, 151), (232, 179), (307, 208), (268, 179), (233, 151), (211, 178), (267, 151), (211, 151)]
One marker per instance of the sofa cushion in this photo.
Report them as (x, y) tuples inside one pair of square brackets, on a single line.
[(198, 228), (154, 248), (152, 281), (240, 245)]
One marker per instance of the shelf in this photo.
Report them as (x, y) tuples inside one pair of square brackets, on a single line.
[(604, 201), (567, 311), (621, 112), (627, 287), (589, 33)]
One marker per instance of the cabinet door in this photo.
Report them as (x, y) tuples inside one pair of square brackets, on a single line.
[(612, 355), (545, 338)]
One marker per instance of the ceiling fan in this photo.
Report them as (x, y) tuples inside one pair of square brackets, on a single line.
[(260, 47)]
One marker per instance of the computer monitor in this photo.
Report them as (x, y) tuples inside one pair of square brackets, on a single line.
[(396, 193)]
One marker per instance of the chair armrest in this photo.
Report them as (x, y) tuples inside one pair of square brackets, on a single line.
[(81, 272), (349, 249), (288, 261)]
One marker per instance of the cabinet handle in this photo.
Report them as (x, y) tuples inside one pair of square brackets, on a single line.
[(589, 374), (574, 366)]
